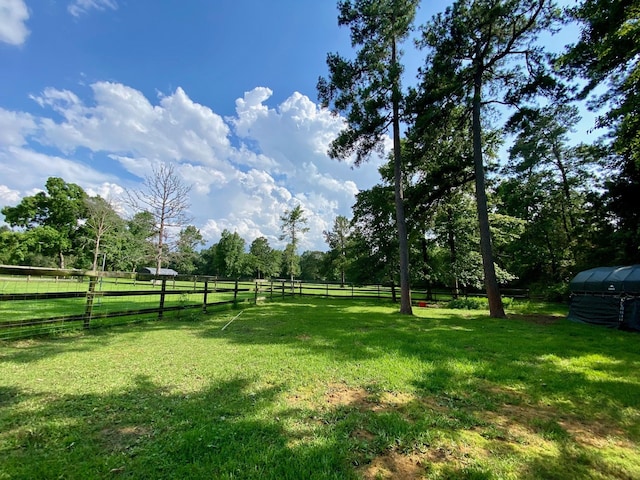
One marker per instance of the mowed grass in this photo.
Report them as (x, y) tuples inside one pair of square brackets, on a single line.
[(321, 388)]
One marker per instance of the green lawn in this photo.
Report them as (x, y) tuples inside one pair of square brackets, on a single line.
[(316, 388)]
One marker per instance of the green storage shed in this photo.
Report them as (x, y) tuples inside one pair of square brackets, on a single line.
[(608, 296)]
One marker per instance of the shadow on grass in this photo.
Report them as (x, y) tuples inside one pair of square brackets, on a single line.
[(561, 384), (223, 431)]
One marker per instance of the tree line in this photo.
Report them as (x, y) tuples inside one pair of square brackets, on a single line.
[(62, 226)]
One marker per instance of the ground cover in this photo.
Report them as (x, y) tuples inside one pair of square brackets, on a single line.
[(325, 388)]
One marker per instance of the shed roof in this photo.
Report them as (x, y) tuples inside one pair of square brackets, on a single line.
[(613, 280), (162, 271)]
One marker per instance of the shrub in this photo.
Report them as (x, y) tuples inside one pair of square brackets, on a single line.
[(469, 303), (476, 303)]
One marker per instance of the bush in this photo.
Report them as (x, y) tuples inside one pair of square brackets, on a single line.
[(557, 292), (476, 303), (469, 303)]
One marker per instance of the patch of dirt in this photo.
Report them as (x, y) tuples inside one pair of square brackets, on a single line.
[(360, 398), (394, 465), (122, 438), (520, 421)]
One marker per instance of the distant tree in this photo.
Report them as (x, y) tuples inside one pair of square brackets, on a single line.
[(373, 246), (61, 208), (338, 240), (184, 258), (166, 198), (368, 90), (290, 263), (312, 265), (292, 226), (546, 184), (102, 219), (206, 261), (261, 257), (229, 255)]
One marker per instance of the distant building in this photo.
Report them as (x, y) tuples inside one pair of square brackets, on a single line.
[(164, 272)]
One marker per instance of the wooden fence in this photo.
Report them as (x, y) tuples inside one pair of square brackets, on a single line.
[(36, 300)]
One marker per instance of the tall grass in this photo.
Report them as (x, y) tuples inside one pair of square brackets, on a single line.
[(311, 388)]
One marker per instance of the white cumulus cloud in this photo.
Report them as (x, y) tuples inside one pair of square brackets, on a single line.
[(13, 17), (245, 170)]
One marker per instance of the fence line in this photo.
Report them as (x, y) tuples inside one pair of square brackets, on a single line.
[(87, 306)]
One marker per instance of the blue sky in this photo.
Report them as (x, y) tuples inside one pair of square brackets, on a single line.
[(99, 91)]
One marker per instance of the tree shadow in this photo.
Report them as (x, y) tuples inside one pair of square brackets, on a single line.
[(149, 431)]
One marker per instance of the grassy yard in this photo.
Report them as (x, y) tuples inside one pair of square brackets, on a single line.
[(317, 388)]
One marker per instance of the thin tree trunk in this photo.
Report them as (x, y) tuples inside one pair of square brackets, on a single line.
[(452, 250), (95, 254), (496, 309), (405, 288)]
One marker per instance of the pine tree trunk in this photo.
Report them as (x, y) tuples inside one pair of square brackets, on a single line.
[(405, 288), (496, 309)]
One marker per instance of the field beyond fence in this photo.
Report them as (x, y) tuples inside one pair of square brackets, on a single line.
[(36, 301)]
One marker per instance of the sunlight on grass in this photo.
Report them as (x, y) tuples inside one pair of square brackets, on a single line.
[(324, 389)]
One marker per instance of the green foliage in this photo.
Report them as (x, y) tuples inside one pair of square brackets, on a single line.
[(57, 213), (229, 259), (607, 55), (184, 258), (468, 303)]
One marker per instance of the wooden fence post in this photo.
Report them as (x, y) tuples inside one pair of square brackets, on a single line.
[(162, 293), (88, 310), (206, 293), (235, 292), (255, 299), (283, 289), (300, 288)]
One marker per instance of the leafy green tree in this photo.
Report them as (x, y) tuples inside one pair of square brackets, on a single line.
[(292, 226), (290, 262), (61, 208), (206, 261), (338, 241), (131, 244), (102, 220), (184, 258), (229, 255), (373, 247), (368, 90), (479, 48), (546, 186), (312, 266), (608, 54), (261, 257)]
